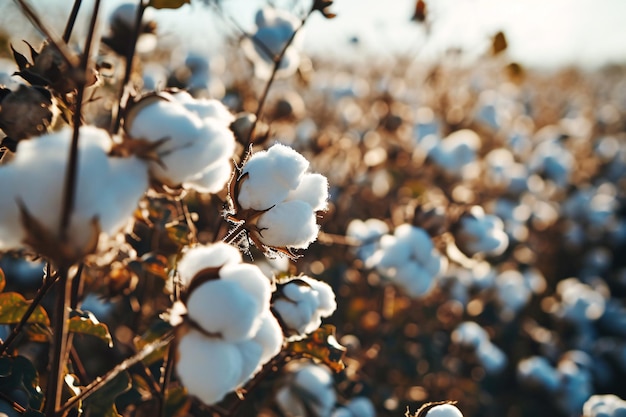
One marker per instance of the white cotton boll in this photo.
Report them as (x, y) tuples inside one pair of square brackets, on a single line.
[(537, 371), (317, 381), (392, 253), (361, 407), (608, 405), (205, 108), (325, 296), (224, 308), (470, 334), (290, 224), (297, 310), (444, 410), (213, 179), (457, 152), (481, 233), (251, 352), (313, 190), (366, 230), (197, 258), (512, 291), (289, 403), (491, 357), (107, 189), (274, 29), (413, 278), (272, 174), (192, 146), (269, 337), (419, 241), (209, 368), (251, 279)]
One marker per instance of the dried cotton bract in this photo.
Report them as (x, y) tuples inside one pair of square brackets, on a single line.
[(278, 199), (274, 30), (192, 141), (106, 194), (228, 332)]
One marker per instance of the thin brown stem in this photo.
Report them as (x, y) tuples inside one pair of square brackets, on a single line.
[(168, 368), (71, 175), (130, 55), (56, 373), (100, 381), (234, 233), (277, 60), (48, 283), (69, 26)]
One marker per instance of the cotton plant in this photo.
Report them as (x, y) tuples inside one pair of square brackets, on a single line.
[(308, 391), (225, 330), (274, 31), (409, 259), (477, 232), (107, 192), (275, 198), (514, 290), (471, 335), (443, 410), (300, 303), (188, 139)]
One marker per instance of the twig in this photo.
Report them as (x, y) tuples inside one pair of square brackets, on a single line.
[(54, 388), (60, 346), (277, 60), (67, 33), (168, 368), (130, 55), (48, 283), (72, 168), (98, 382)]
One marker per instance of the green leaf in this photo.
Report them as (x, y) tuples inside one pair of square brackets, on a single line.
[(84, 322), (102, 402), (154, 333), (177, 402), (13, 306), (168, 4), (18, 373), (3, 281)]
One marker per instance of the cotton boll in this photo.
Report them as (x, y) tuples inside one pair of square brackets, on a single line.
[(415, 279), (361, 407), (317, 382), (492, 358), (252, 280), (469, 334), (107, 190), (537, 371), (325, 295), (197, 258), (192, 144), (444, 410), (269, 337), (251, 352), (271, 175), (205, 108), (288, 224), (209, 368), (297, 309), (211, 180), (608, 405), (313, 190), (223, 308)]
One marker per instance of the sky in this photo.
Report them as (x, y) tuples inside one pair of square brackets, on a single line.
[(542, 33)]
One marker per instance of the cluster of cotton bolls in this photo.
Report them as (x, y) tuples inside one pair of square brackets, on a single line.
[(107, 192), (409, 259), (308, 391), (274, 29), (471, 335), (191, 137), (226, 330), (480, 233), (608, 405), (278, 198)]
